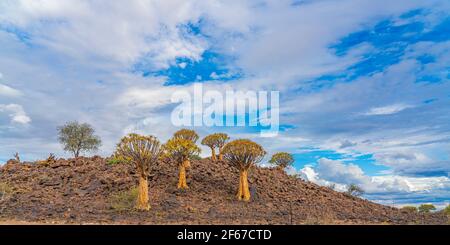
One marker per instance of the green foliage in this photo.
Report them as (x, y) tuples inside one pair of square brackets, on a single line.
[(447, 210), (411, 209), (243, 153), (181, 149), (124, 200), (77, 138), (115, 160), (426, 208), (140, 150), (196, 157), (355, 190), (186, 134), (282, 159)]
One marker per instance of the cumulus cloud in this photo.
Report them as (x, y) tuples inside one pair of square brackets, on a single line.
[(84, 60), (16, 113), (146, 30), (328, 172)]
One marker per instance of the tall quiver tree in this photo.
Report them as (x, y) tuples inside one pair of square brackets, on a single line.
[(186, 134), (182, 151), (142, 151), (214, 141), (243, 154), (282, 159)]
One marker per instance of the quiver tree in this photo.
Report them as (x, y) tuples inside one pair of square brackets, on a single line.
[(76, 138), (182, 151), (221, 140), (243, 154), (282, 159), (214, 141), (186, 134), (210, 142), (142, 151)]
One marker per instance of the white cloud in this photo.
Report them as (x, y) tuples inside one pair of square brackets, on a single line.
[(387, 110), (106, 31), (16, 113), (332, 171), (88, 51), (8, 91)]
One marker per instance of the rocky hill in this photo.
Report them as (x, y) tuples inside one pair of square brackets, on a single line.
[(88, 190)]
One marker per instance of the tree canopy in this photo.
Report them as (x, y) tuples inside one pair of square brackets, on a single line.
[(243, 153), (426, 208), (139, 149), (214, 141), (282, 159), (181, 149), (186, 134), (77, 138)]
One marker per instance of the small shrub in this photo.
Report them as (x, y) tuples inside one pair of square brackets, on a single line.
[(411, 209), (196, 158), (114, 161), (124, 200), (447, 210), (355, 190), (426, 208)]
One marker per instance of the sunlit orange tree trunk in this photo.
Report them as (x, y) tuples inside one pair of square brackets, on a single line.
[(142, 151), (243, 154)]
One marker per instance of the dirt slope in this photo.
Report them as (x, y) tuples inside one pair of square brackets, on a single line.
[(79, 191)]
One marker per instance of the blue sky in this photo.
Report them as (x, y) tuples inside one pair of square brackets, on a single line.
[(364, 85)]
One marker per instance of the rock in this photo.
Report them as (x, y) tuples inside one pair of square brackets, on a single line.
[(88, 185), (170, 203)]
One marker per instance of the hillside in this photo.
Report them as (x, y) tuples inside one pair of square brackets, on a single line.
[(81, 191)]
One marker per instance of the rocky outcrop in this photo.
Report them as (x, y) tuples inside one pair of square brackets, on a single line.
[(79, 191)]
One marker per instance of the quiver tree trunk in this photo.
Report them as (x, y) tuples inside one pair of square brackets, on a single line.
[(244, 191), (182, 184), (187, 163), (213, 154), (220, 155), (142, 200)]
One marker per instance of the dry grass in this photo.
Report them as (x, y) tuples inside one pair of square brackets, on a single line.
[(5, 191), (124, 200)]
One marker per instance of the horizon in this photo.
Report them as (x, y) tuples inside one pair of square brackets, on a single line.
[(363, 85)]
